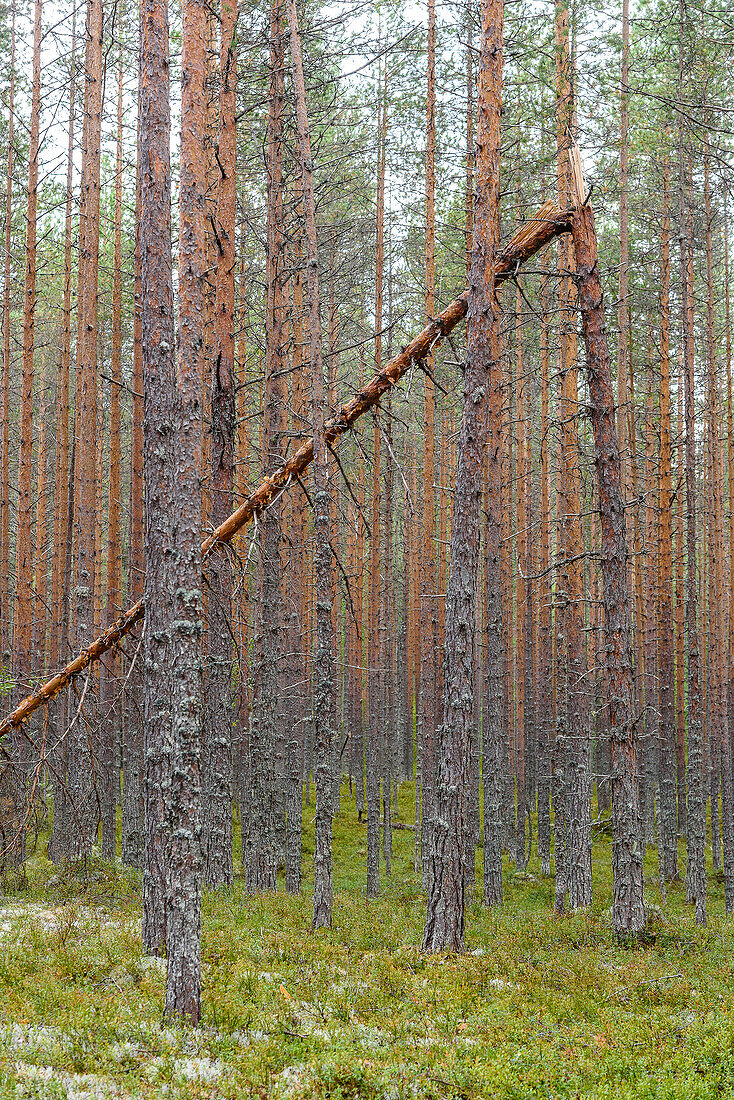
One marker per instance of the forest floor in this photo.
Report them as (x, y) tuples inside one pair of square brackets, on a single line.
[(539, 1006)]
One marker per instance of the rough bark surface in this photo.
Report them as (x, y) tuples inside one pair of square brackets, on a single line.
[(628, 909), (444, 929)]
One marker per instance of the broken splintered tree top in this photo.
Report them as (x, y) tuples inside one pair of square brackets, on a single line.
[(548, 223)]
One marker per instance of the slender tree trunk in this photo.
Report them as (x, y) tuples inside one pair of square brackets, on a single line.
[(521, 479), (40, 622), (5, 592), (544, 709), (696, 810), (59, 606), (133, 747), (110, 673), (13, 822), (665, 586)]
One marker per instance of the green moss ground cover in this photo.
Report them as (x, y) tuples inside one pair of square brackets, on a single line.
[(539, 1007)]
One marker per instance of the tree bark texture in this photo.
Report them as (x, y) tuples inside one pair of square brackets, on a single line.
[(628, 909), (444, 929)]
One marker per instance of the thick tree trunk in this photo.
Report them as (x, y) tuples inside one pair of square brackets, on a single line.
[(159, 427), (628, 909), (83, 766), (444, 927), (262, 853), (183, 897), (323, 888), (217, 759)]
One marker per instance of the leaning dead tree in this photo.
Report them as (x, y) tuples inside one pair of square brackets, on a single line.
[(548, 223)]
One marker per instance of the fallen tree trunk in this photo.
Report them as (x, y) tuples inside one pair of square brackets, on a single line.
[(543, 227)]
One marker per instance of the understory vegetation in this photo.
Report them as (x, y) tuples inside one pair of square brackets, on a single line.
[(540, 1006)]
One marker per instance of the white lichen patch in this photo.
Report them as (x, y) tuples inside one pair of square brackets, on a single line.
[(76, 1086), (205, 1070)]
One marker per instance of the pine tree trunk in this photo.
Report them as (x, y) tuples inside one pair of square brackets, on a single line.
[(159, 426), (5, 593), (81, 767), (133, 748), (323, 690), (665, 537), (13, 822), (183, 901), (444, 927), (262, 854), (628, 909), (429, 657), (110, 671), (719, 726), (59, 606), (696, 809), (217, 760)]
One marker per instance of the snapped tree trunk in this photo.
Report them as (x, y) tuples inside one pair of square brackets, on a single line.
[(628, 909)]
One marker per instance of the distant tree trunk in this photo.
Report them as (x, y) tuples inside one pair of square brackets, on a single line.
[(83, 767), (217, 760), (696, 809), (13, 824), (444, 927), (358, 677), (680, 622), (133, 748), (183, 900), (323, 889), (110, 671), (40, 621), (470, 110), (544, 709), (730, 481), (59, 605), (5, 591), (628, 908), (373, 686), (666, 635), (719, 726), (374, 606)]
